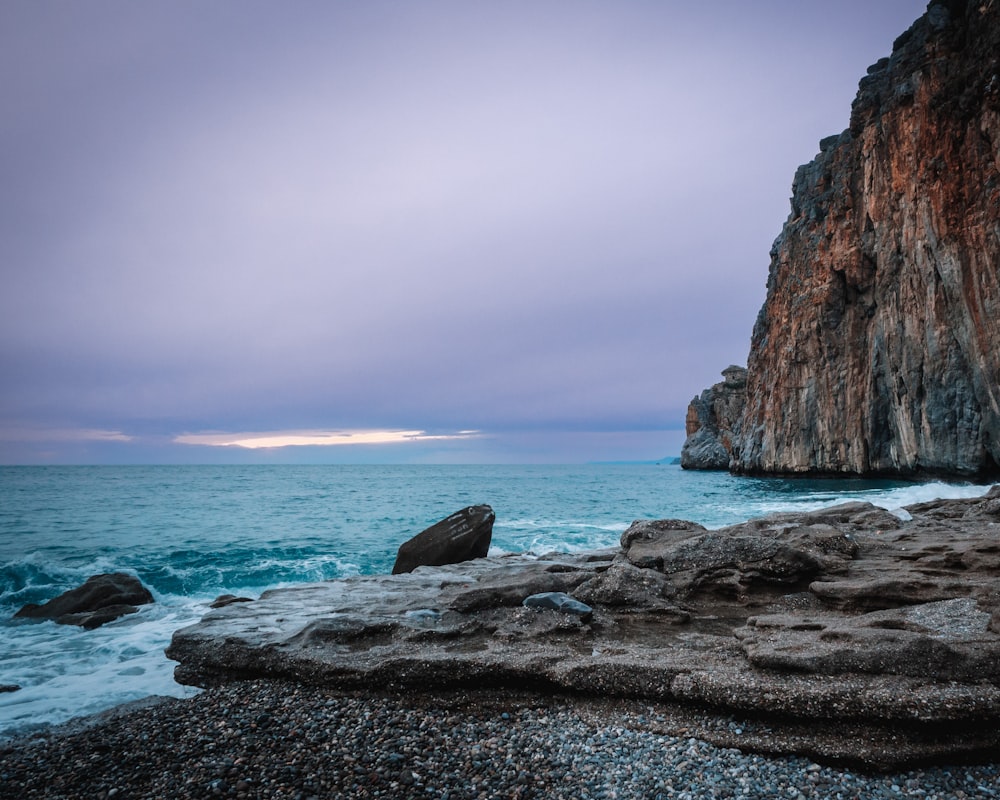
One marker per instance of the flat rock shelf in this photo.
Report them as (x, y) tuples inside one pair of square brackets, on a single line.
[(848, 634)]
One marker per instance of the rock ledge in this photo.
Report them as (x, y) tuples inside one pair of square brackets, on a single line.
[(848, 618)]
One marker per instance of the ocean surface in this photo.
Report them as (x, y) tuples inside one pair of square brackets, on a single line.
[(193, 533)]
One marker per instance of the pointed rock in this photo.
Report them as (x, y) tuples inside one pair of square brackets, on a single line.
[(464, 535)]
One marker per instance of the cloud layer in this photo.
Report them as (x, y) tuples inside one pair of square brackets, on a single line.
[(546, 218)]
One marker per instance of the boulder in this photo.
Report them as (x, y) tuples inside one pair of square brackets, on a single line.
[(101, 599), (644, 540), (463, 536), (623, 585), (781, 551)]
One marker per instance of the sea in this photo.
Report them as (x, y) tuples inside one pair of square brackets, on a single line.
[(192, 533)]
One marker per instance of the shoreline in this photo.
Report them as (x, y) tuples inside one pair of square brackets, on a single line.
[(261, 728), (275, 739)]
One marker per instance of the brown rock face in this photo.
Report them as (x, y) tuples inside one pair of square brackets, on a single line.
[(878, 346), (713, 422)]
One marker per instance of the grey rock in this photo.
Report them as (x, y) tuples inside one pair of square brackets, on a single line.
[(559, 601), (463, 536), (656, 529), (713, 422), (226, 599), (101, 599), (623, 585), (776, 550), (497, 590), (814, 618), (946, 640), (644, 540)]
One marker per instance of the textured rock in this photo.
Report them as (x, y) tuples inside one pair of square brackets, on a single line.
[(464, 535), (101, 599), (848, 617), (227, 599), (643, 541), (561, 602), (713, 422), (877, 350), (946, 640)]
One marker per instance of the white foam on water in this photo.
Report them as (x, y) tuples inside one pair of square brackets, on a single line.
[(925, 492), (893, 500), (316, 567), (556, 535), (65, 671)]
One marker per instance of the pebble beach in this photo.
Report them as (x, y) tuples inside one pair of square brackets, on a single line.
[(276, 740)]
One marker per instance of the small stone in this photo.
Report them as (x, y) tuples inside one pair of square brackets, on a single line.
[(559, 601)]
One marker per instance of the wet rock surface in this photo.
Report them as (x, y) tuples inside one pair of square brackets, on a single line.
[(847, 619), (101, 599)]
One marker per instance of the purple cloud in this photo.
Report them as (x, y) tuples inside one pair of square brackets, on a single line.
[(441, 216)]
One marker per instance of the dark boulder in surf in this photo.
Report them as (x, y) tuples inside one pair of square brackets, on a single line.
[(103, 598), (463, 536)]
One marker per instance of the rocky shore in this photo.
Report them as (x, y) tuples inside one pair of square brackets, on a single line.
[(843, 653), (847, 635), (270, 739)]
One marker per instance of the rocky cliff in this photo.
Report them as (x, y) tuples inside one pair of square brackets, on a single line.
[(713, 422), (877, 350)]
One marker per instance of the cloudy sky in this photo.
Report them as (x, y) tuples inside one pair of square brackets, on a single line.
[(436, 231)]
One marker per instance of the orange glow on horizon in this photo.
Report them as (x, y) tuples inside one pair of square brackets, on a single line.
[(274, 439)]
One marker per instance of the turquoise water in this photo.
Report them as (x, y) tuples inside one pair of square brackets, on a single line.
[(192, 533)]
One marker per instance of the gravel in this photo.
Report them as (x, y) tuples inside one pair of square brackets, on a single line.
[(273, 740)]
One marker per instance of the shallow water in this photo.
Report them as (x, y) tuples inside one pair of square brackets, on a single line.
[(192, 533)]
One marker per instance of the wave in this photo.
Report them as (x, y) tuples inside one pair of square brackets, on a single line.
[(560, 524), (65, 671), (893, 498), (35, 578)]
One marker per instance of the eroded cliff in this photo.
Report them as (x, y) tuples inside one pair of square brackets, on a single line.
[(713, 422), (877, 349)]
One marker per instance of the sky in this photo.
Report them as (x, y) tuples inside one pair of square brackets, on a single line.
[(385, 231)]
